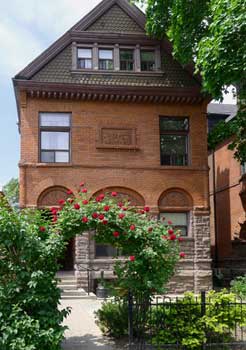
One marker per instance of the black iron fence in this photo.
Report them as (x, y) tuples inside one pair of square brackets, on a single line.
[(190, 323)]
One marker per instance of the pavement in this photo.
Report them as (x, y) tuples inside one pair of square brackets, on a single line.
[(83, 333)]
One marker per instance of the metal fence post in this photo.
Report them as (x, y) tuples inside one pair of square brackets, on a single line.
[(130, 319), (203, 311)]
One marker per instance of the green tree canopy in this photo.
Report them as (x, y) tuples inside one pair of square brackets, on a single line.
[(11, 191), (212, 34)]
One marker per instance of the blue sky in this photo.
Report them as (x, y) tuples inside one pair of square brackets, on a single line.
[(26, 29)]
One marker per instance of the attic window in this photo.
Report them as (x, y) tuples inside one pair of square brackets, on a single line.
[(127, 60), (106, 59), (148, 60), (85, 58)]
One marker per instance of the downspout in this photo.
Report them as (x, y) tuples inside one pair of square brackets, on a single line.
[(216, 253)]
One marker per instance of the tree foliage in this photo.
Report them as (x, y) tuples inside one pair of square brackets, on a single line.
[(212, 34), (11, 191)]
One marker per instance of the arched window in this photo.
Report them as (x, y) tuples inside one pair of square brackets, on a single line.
[(175, 206), (51, 196)]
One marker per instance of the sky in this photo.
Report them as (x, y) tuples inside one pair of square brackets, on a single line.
[(26, 29)]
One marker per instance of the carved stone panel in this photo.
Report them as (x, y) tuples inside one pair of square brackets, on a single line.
[(175, 199), (116, 137)]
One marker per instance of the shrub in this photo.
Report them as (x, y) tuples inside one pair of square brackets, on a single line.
[(238, 286), (112, 318)]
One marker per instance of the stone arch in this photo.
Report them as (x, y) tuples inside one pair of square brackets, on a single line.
[(123, 193), (50, 196), (175, 198)]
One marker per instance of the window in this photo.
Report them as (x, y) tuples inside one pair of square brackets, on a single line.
[(147, 60), (179, 221), (106, 59), (174, 137), (85, 58), (105, 251), (127, 60), (54, 138)]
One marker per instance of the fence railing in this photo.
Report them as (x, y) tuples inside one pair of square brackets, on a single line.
[(190, 323)]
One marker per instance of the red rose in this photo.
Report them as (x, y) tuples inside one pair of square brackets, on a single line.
[(102, 196), (106, 208), (170, 222), (147, 209), (69, 192), (42, 229), (120, 204), (85, 219), (141, 211), (180, 239), (124, 208), (172, 237), (121, 216), (170, 232), (182, 255), (55, 218), (94, 215), (116, 234), (70, 200), (54, 210), (85, 202), (82, 184), (105, 222), (76, 206), (98, 199), (150, 229), (132, 227), (114, 194), (132, 258), (61, 202), (101, 217), (84, 190)]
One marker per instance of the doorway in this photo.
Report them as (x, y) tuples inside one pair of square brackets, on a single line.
[(67, 262)]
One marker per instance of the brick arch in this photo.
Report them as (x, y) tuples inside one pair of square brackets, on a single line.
[(175, 198), (124, 193), (50, 196)]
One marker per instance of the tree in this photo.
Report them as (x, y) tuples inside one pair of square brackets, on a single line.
[(11, 191), (212, 34)]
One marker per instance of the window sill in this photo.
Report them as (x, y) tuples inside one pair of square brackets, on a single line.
[(117, 72)]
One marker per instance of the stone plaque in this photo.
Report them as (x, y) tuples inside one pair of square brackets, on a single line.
[(122, 138)]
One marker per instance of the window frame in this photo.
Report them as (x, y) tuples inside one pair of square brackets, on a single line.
[(176, 228), (133, 50), (105, 60), (66, 129), (155, 63), (117, 251), (81, 58), (176, 133)]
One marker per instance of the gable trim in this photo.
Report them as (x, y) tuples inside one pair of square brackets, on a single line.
[(131, 10)]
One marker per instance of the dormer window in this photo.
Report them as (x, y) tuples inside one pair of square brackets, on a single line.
[(127, 60), (85, 58), (148, 60), (106, 59)]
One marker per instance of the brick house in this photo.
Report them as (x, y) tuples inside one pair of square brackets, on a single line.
[(109, 105), (228, 231)]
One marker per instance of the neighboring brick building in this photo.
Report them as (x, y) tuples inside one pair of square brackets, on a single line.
[(108, 105), (228, 245)]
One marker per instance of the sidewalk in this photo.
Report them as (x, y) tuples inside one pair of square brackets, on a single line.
[(83, 333)]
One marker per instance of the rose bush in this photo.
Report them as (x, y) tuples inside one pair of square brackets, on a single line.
[(32, 241)]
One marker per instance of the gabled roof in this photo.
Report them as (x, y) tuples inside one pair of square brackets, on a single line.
[(132, 11)]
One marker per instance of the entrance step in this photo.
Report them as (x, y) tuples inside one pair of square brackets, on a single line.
[(68, 285)]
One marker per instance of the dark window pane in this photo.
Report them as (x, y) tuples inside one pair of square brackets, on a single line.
[(176, 123), (52, 140), (47, 157), (126, 60), (106, 64), (174, 149), (147, 60), (85, 63), (103, 250)]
